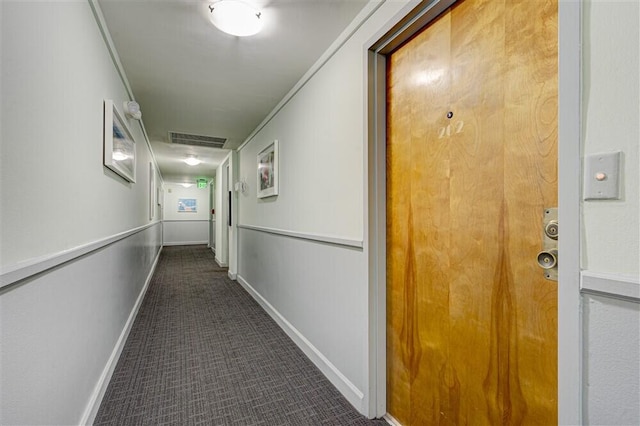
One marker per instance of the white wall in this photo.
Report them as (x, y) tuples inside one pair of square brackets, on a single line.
[(173, 192), (185, 232), (180, 228), (611, 230), (317, 290), (61, 328), (56, 194), (611, 110)]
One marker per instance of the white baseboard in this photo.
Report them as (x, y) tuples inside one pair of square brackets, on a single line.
[(93, 406), (232, 276), (220, 263), (391, 420), (344, 385), (185, 243)]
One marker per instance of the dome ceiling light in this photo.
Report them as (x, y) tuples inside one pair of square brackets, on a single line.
[(235, 17), (192, 160), (132, 109)]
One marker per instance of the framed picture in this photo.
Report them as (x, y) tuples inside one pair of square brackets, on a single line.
[(119, 145), (268, 171), (187, 205)]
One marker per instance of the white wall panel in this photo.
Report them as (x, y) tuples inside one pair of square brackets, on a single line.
[(59, 329), (184, 232), (314, 286), (611, 361)]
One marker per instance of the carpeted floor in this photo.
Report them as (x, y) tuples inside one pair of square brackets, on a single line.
[(202, 351)]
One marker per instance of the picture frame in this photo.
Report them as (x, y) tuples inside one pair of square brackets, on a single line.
[(267, 171), (187, 205), (119, 145)]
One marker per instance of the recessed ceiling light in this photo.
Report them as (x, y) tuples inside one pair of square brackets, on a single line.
[(235, 17), (192, 160), (187, 185)]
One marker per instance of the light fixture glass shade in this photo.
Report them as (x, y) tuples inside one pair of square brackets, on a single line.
[(192, 161), (186, 185), (132, 109), (235, 17)]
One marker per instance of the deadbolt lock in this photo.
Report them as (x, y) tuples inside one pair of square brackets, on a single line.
[(551, 229), (547, 259)]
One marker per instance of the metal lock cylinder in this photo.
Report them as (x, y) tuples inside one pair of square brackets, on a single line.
[(548, 259), (551, 229)]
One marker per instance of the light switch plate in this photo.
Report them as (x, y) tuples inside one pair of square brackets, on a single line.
[(602, 176)]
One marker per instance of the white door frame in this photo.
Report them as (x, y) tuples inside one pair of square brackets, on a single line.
[(222, 213), (212, 216), (569, 172)]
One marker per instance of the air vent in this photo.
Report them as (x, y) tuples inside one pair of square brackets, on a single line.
[(197, 140)]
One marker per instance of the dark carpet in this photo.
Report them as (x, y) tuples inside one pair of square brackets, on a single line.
[(202, 351)]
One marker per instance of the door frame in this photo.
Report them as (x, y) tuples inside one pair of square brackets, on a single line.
[(569, 173), (222, 229), (212, 217)]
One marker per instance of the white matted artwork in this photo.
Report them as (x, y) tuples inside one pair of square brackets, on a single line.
[(187, 205), (268, 171), (119, 145)]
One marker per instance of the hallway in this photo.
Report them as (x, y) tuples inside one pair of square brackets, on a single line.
[(202, 351), (81, 238)]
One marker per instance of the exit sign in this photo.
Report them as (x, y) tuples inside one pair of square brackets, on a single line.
[(202, 183)]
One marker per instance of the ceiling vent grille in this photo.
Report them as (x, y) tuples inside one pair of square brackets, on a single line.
[(197, 140)]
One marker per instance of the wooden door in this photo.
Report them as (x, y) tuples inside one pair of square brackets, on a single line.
[(471, 166)]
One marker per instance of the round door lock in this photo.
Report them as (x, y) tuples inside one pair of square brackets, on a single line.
[(551, 229), (548, 259)]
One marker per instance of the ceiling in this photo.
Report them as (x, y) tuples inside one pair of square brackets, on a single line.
[(189, 77)]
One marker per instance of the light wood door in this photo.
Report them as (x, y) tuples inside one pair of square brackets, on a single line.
[(471, 166)]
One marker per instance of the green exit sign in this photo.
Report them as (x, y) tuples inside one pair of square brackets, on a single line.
[(202, 183)]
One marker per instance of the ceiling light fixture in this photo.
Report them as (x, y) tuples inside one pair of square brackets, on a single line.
[(235, 17), (132, 109), (186, 185), (192, 160)]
